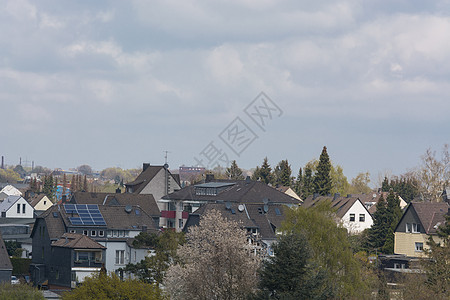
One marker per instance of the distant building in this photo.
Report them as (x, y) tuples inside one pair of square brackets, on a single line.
[(16, 207)]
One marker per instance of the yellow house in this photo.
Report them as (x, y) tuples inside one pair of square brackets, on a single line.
[(40, 202), (418, 223)]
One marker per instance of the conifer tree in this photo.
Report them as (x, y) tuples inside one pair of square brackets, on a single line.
[(307, 188), (393, 215), (64, 185), (73, 185), (385, 185), (55, 189), (322, 179), (299, 183), (256, 174), (79, 183), (265, 172), (376, 237), (234, 172), (283, 173), (85, 185)]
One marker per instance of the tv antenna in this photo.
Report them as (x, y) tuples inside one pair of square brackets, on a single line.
[(165, 156)]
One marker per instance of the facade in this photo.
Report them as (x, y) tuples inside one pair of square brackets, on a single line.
[(16, 207), (188, 200), (10, 190), (420, 221), (113, 227), (5, 263), (40, 202), (287, 190), (350, 211)]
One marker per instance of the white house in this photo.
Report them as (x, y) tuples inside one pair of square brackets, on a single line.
[(40, 202), (9, 190), (16, 207)]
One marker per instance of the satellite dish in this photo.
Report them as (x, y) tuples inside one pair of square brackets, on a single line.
[(128, 208), (266, 208), (266, 200), (241, 207), (228, 205)]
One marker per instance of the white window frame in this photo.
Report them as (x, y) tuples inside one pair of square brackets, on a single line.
[(93, 232), (86, 232), (363, 217), (419, 247), (415, 228), (352, 216), (101, 233), (408, 227), (120, 257)]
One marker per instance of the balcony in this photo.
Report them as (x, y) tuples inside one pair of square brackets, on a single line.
[(87, 263), (169, 214)]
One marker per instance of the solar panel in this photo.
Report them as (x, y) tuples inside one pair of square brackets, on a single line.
[(87, 214)]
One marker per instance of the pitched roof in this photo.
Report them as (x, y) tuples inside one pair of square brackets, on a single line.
[(341, 204), (35, 200), (146, 202), (11, 191), (76, 240), (146, 176), (5, 262), (241, 191), (431, 214), (249, 216)]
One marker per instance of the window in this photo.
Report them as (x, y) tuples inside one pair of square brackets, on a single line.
[(170, 223), (180, 223), (415, 228), (115, 233), (45, 202), (120, 257), (408, 227), (85, 232), (23, 208), (352, 217), (362, 217), (101, 233), (73, 231), (18, 208), (121, 233), (93, 233), (419, 247)]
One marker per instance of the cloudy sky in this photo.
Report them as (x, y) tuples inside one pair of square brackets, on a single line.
[(116, 83)]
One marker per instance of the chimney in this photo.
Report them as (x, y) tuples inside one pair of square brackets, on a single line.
[(118, 191), (145, 166), (209, 178), (336, 195), (349, 195)]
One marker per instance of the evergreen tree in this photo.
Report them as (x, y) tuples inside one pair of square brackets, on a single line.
[(283, 173), (64, 185), (234, 172), (393, 213), (48, 187), (256, 174), (55, 189), (79, 183), (385, 185), (265, 172), (322, 179), (376, 236), (299, 183), (307, 188), (85, 184), (290, 273)]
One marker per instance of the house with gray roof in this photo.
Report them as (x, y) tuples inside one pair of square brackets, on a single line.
[(420, 221), (16, 207), (181, 203), (112, 226)]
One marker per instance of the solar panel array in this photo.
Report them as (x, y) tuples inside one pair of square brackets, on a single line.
[(88, 214)]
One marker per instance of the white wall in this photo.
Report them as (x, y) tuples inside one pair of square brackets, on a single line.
[(357, 226), (12, 212)]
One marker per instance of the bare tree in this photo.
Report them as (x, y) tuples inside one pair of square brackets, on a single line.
[(215, 262), (434, 174)]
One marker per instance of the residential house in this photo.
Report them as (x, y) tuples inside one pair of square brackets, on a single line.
[(9, 190), (261, 221), (350, 211), (155, 180), (40, 203), (370, 200), (179, 204), (146, 202), (114, 227), (420, 221), (73, 257), (5, 263), (18, 233), (16, 207)]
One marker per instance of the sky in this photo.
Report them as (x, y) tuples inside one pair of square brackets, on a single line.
[(117, 83)]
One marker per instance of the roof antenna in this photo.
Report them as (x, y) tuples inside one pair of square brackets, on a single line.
[(165, 156)]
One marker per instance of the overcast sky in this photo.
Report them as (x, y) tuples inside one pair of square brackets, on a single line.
[(116, 83)]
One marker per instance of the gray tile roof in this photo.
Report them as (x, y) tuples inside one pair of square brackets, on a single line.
[(75, 240), (5, 262), (431, 214), (146, 176), (341, 204)]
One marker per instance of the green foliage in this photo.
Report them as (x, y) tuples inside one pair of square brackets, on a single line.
[(322, 179), (152, 269), (307, 188), (291, 274), (406, 187), (393, 213), (234, 172), (339, 180), (19, 292), (11, 247), (360, 184), (49, 187), (101, 286), (299, 184), (20, 170), (283, 173), (331, 247), (9, 175), (376, 235), (265, 172), (21, 266)]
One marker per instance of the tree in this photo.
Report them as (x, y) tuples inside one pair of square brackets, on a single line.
[(103, 286), (385, 185), (299, 184), (85, 170), (322, 179), (291, 274), (85, 184), (339, 180), (283, 173), (9, 175), (64, 185), (307, 188), (20, 170), (256, 176), (234, 172), (360, 184), (265, 172), (434, 174), (393, 215), (153, 269), (376, 236), (216, 262), (49, 187), (331, 248), (19, 292)]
